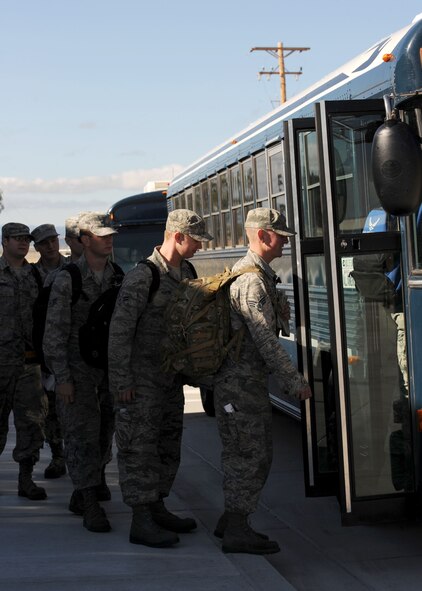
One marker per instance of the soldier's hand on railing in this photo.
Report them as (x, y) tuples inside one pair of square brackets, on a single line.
[(304, 393)]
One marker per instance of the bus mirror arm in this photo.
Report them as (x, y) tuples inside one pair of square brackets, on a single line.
[(388, 106), (397, 166)]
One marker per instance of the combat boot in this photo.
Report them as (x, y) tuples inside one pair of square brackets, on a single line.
[(27, 487), (144, 530), (220, 528), (102, 490), (240, 537), (76, 503), (57, 466), (169, 521), (95, 518)]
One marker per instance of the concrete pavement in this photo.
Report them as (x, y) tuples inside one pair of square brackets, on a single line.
[(43, 547)]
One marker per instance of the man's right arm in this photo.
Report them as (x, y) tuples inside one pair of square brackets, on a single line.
[(251, 301), (57, 328), (130, 305)]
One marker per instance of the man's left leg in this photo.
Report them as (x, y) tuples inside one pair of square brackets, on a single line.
[(29, 410), (169, 445)]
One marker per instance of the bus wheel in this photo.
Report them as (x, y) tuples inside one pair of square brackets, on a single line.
[(207, 397)]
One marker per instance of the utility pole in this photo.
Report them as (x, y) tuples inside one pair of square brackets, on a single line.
[(281, 53)]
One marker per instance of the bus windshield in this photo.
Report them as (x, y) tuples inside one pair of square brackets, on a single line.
[(140, 221), (134, 243)]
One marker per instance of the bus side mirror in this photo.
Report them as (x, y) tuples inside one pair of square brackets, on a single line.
[(397, 167)]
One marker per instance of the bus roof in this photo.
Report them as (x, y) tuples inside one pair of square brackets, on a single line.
[(144, 208)]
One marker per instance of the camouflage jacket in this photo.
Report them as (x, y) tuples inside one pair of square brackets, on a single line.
[(48, 275), (18, 291), (255, 303), (137, 327), (61, 336)]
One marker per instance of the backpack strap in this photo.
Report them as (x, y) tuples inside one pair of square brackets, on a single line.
[(76, 277), (37, 276), (118, 276), (117, 270), (192, 269), (155, 277), (249, 269)]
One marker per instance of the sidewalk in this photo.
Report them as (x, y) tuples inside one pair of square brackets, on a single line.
[(44, 547)]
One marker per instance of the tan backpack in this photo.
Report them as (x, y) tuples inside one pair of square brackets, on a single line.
[(199, 334)]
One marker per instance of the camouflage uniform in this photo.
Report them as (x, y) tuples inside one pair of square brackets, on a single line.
[(148, 429), (53, 433), (88, 422), (20, 378), (48, 275), (39, 234), (241, 390)]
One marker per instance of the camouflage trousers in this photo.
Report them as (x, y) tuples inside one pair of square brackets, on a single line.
[(53, 431), (148, 438), (243, 414), (21, 392), (87, 427)]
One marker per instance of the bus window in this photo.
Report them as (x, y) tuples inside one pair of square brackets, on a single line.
[(310, 182), (189, 202), (356, 196), (215, 205), (413, 117), (261, 180), (205, 198), (416, 233), (248, 182), (140, 221), (236, 186), (276, 172), (198, 202), (227, 237)]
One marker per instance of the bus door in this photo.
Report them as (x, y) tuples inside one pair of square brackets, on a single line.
[(312, 307), (358, 424)]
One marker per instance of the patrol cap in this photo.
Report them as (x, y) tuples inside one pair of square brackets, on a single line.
[(43, 232), (96, 222), (72, 226), (187, 222), (264, 218), (15, 229)]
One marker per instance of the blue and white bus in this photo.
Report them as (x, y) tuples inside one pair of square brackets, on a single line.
[(330, 158)]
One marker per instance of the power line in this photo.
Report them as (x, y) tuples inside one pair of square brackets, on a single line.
[(281, 53)]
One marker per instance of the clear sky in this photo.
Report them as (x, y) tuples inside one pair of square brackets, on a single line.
[(100, 96)]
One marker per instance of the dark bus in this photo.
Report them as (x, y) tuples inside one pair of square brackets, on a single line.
[(140, 221)]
